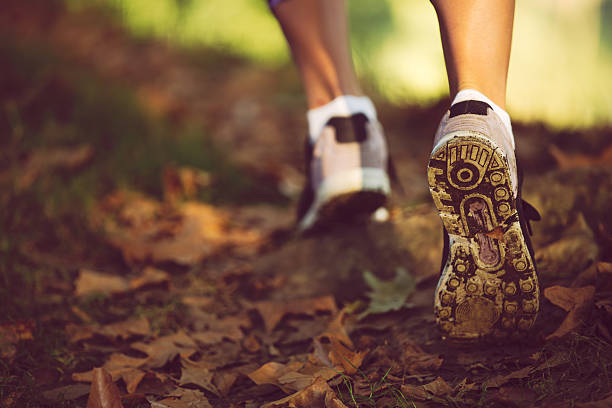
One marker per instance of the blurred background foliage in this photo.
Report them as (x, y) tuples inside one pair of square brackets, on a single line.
[(560, 72)]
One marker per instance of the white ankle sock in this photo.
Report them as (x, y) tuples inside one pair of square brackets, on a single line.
[(343, 106), (472, 94)]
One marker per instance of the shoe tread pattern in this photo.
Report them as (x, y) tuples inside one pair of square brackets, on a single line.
[(489, 287)]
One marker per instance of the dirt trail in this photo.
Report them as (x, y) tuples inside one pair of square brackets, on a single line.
[(268, 316)]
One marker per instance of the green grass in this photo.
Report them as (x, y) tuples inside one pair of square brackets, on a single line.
[(586, 376)]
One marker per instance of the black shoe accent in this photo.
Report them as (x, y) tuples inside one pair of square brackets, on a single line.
[(351, 129), (307, 195), (471, 107)]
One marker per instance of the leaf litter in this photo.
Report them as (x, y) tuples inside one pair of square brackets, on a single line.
[(253, 342)]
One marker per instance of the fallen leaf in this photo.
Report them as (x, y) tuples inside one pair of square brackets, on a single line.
[(224, 380), (146, 229), (416, 392), (342, 356), (121, 330), (500, 380), (331, 401), (184, 398), (180, 183), (222, 354), (576, 301), (43, 161), (251, 344), (291, 377), (197, 373), (417, 361), (272, 311), (104, 393), (571, 253), (270, 373), (11, 334), (118, 366), (219, 329), (387, 296), (132, 379), (313, 396), (165, 348), (89, 282), (438, 387), (336, 330), (149, 276)]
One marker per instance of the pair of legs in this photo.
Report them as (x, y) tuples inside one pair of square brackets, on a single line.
[(488, 284), (476, 37)]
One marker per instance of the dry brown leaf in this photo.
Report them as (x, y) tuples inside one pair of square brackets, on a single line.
[(305, 329), (499, 380), (13, 333), (224, 380), (104, 393), (197, 373), (416, 361), (292, 377), (273, 311), (184, 398), (570, 161), (331, 401), (222, 354), (121, 330), (251, 344), (45, 160), (416, 392), (312, 396), (89, 282), (219, 329), (319, 355), (149, 276), (604, 268), (576, 301), (336, 330), (341, 356), (164, 349), (145, 229), (270, 373), (118, 365), (438, 387), (132, 379), (574, 251), (180, 183)]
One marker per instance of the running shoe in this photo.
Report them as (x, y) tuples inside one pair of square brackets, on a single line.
[(488, 286), (347, 173)]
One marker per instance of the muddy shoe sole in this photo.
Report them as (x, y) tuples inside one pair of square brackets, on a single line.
[(488, 287)]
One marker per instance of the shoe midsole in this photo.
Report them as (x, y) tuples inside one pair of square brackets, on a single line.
[(361, 179)]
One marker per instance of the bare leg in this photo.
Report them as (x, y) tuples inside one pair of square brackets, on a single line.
[(476, 37), (317, 33)]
